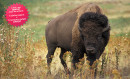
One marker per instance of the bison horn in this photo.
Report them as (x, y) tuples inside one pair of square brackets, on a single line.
[(107, 28), (79, 28)]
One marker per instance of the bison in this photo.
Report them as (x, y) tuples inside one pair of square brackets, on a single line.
[(84, 29)]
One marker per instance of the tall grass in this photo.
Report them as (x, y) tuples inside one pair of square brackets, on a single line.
[(15, 55), (18, 58)]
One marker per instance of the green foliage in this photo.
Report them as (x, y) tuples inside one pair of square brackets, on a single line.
[(8, 2), (1, 12)]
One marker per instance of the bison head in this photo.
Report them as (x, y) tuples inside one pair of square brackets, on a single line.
[(94, 31)]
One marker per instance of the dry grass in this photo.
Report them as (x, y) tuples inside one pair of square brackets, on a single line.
[(27, 60)]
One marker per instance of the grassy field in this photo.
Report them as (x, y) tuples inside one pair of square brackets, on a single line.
[(41, 12), (23, 50)]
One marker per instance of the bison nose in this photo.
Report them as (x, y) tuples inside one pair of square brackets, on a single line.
[(90, 49)]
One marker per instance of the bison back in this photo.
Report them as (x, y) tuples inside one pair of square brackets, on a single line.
[(59, 30)]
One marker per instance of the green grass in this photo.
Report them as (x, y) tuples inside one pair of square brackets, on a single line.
[(120, 22), (127, 3), (107, 6), (123, 34), (40, 34)]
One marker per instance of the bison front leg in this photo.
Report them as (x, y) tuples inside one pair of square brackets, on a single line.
[(77, 47), (76, 57)]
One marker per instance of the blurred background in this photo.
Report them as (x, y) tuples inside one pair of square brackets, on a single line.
[(26, 47), (42, 11)]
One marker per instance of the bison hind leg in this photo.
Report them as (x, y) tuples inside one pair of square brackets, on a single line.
[(63, 62), (51, 50)]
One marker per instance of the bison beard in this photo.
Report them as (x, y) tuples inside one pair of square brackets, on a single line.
[(82, 30)]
